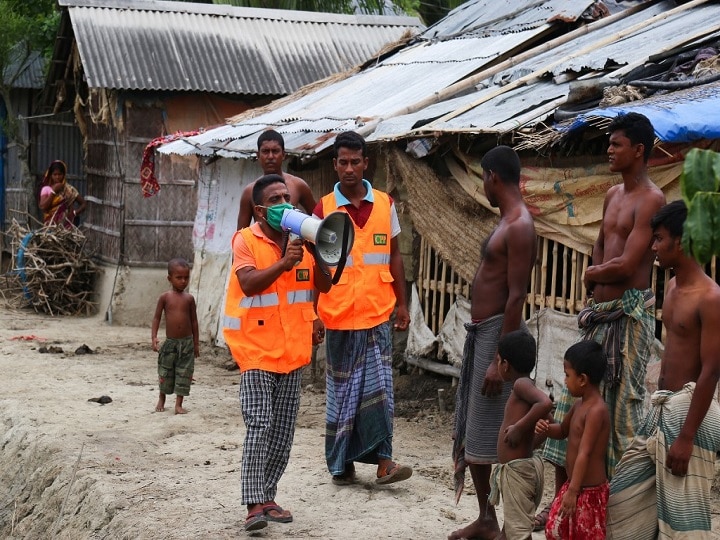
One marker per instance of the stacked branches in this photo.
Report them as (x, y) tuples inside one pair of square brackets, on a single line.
[(51, 270)]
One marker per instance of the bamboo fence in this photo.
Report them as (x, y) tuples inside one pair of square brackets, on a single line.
[(555, 283)]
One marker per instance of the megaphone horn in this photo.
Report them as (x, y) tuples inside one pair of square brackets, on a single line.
[(333, 236)]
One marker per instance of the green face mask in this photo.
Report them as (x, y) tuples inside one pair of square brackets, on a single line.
[(275, 214)]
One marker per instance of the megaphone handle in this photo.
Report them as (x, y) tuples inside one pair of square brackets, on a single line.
[(285, 240), (286, 235)]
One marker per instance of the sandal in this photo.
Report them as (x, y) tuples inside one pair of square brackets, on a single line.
[(540, 520), (256, 520), (394, 473), (281, 515)]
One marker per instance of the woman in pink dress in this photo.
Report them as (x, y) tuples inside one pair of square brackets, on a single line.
[(59, 201)]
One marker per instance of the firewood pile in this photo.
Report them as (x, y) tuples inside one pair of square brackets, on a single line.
[(52, 270)]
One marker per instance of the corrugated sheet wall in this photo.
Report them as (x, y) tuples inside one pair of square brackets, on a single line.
[(17, 200)]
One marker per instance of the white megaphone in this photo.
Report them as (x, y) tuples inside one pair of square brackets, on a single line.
[(333, 236)]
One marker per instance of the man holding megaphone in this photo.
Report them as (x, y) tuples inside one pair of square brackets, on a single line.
[(356, 313), (270, 327)]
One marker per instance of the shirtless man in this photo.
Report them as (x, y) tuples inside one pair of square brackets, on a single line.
[(621, 308), (499, 292), (668, 490), (271, 154)]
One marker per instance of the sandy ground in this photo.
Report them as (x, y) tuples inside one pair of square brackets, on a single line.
[(72, 468)]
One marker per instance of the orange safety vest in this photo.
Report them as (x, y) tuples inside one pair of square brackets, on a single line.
[(272, 330), (364, 296)]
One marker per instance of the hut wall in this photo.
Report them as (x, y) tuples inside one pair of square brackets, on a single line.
[(157, 228), (105, 150), (18, 203), (123, 226)]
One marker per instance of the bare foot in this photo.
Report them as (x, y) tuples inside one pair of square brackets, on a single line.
[(485, 529), (160, 407), (180, 410)]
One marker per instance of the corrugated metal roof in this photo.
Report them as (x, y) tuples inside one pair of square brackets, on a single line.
[(156, 45), (490, 17), (399, 97), (26, 69), (632, 40), (500, 114), (648, 32), (378, 91)]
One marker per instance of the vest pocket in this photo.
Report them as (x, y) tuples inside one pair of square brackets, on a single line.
[(260, 317), (386, 277)]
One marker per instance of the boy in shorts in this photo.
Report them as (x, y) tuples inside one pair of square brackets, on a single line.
[(580, 507), (176, 359), (519, 474)]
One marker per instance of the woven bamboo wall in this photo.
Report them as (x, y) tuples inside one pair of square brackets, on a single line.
[(121, 224), (103, 215)]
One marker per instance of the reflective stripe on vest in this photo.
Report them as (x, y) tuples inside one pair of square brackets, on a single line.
[(260, 300), (297, 297), (231, 323), (376, 258)]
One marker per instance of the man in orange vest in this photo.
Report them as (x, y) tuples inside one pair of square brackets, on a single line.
[(356, 313), (270, 326)]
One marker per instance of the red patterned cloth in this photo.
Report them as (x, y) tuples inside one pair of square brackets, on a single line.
[(588, 523), (148, 182)]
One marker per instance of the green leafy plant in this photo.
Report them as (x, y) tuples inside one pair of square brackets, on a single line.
[(27, 29), (700, 186)]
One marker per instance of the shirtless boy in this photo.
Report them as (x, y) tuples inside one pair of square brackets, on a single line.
[(661, 488), (176, 358), (271, 154), (499, 293), (621, 307), (579, 508), (519, 476)]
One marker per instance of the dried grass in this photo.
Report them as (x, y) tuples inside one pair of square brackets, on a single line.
[(52, 270)]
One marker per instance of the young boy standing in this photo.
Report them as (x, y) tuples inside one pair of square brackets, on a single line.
[(519, 474), (580, 507), (176, 359)]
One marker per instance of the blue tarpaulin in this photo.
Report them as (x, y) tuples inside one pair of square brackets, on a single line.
[(682, 116)]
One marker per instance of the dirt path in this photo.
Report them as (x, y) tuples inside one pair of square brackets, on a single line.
[(76, 469)]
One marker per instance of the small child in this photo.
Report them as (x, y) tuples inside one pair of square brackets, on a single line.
[(580, 507), (176, 360), (519, 476)]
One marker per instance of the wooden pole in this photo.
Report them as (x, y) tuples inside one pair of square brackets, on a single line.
[(543, 273), (573, 292), (553, 279), (443, 291)]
